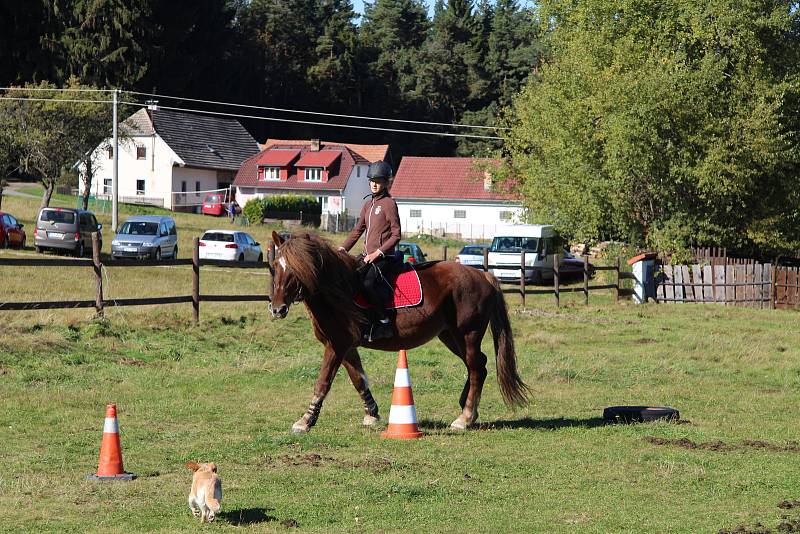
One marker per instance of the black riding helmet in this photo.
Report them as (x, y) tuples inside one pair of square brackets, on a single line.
[(379, 171)]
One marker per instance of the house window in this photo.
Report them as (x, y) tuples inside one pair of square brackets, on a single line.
[(460, 214), (197, 189), (506, 215), (183, 186), (110, 151), (107, 186), (323, 202), (416, 214), (358, 171), (272, 174), (140, 187), (313, 174), (141, 152)]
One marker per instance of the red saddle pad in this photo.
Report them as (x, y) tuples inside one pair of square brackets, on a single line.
[(407, 290)]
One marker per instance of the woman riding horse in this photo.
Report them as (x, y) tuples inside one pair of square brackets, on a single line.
[(459, 303)]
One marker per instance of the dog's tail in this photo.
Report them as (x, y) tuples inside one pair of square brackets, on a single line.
[(194, 466)]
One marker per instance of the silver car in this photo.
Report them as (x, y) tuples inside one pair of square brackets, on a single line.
[(146, 236), (472, 255), (66, 229)]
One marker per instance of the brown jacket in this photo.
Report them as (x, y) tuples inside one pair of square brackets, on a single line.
[(380, 222)]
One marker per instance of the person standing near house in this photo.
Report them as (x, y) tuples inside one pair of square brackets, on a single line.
[(232, 207), (379, 221)]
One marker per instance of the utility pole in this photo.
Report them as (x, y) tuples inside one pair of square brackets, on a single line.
[(115, 175)]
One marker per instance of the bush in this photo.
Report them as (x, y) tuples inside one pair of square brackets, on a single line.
[(254, 211)]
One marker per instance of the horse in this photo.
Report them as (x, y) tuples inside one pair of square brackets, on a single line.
[(459, 303)]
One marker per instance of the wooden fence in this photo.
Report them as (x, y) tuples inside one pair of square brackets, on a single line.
[(100, 303), (557, 289), (739, 282)]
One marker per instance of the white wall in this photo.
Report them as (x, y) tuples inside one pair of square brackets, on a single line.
[(437, 218), (155, 169), (357, 187), (206, 177)]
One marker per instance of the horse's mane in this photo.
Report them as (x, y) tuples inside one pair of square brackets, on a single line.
[(327, 275)]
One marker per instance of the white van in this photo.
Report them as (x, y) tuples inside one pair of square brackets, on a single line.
[(540, 242)]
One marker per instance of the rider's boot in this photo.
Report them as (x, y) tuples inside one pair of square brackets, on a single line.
[(381, 328)]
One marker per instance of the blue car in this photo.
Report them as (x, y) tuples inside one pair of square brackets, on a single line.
[(411, 252)]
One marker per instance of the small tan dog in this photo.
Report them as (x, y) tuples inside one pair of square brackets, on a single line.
[(206, 491)]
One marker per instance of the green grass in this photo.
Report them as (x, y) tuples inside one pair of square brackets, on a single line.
[(229, 390)]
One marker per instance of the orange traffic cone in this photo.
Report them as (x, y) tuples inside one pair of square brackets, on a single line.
[(110, 466), (403, 413)]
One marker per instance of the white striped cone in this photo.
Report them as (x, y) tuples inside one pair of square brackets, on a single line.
[(110, 464), (403, 413)]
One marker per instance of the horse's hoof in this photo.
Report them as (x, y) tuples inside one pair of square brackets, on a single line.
[(300, 427), (458, 424), (370, 420)]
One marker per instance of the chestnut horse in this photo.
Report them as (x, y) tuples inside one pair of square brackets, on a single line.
[(458, 305)]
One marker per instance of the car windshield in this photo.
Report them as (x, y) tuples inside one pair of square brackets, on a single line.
[(212, 198), (515, 244), (472, 250), (218, 236), (139, 228), (57, 216)]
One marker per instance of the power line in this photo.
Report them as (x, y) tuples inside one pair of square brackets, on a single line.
[(28, 98), (445, 124), (423, 132), (57, 89)]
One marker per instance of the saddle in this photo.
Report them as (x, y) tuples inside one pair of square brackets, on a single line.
[(407, 290)]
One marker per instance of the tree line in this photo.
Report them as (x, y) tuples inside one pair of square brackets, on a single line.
[(462, 64)]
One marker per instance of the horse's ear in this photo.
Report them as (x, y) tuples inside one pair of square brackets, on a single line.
[(277, 239)]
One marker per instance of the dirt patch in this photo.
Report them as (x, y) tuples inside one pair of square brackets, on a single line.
[(290, 523), (721, 446), (788, 505), (131, 361), (790, 526), (741, 529), (310, 459), (645, 341)]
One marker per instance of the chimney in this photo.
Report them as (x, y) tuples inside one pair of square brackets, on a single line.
[(315, 145), (487, 181)]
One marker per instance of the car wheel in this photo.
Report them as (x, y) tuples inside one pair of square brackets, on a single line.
[(241, 257), (22, 245), (175, 253), (260, 258), (157, 255), (5, 242), (39, 249), (79, 250)]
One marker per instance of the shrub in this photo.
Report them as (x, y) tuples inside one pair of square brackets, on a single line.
[(254, 211)]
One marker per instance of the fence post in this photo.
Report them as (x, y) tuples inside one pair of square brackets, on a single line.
[(585, 280), (616, 284), (773, 289), (522, 277), (556, 281), (196, 279), (98, 274), (486, 260), (444, 252)]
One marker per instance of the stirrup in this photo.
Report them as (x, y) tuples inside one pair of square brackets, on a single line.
[(379, 330)]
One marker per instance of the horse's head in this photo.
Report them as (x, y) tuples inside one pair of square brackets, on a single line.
[(286, 287)]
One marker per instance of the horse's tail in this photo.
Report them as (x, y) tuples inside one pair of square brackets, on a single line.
[(514, 390)]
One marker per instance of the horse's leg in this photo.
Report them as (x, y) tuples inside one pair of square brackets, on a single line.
[(475, 360), (352, 362), (331, 360), (451, 342)]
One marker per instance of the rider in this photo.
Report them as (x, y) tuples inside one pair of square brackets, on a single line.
[(380, 223)]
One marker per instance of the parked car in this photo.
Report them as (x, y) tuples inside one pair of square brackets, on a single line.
[(572, 267), (66, 229), (472, 255), (411, 252), (214, 205), (146, 236), (229, 245), (11, 232), (539, 242)]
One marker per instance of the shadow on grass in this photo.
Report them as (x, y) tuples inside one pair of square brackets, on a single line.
[(247, 516), (526, 422)]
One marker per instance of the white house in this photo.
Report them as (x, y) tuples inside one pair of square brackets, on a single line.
[(451, 196), (170, 158), (334, 173)]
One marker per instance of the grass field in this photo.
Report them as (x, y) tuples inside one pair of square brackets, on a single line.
[(229, 390)]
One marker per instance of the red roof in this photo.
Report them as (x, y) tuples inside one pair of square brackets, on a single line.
[(323, 158), (445, 178), (247, 175), (277, 157), (369, 153)]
